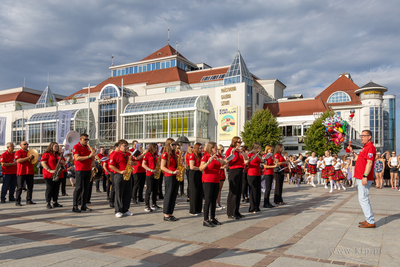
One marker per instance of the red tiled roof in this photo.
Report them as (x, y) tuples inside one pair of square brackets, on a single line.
[(166, 51), (149, 77), (296, 107), (343, 84), (196, 76), (20, 96)]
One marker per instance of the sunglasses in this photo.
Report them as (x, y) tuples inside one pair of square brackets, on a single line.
[(86, 139), (173, 144), (26, 144), (239, 142)]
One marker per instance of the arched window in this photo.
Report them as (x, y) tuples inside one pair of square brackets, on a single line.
[(339, 97), (19, 123), (109, 91)]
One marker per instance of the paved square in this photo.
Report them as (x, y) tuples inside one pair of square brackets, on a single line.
[(315, 228)]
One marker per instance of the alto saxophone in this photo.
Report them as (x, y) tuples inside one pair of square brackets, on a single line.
[(128, 169), (94, 169), (158, 168), (180, 167), (58, 170)]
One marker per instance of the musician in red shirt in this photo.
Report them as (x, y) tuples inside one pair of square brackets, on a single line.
[(168, 166), (123, 188), (102, 154), (222, 176), (278, 174), (187, 165), (25, 173), (235, 174), (9, 169), (150, 164), (83, 171), (111, 188), (195, 182), (49, 161), (210, 166), (254, 177), (269, 165), (138, 175)]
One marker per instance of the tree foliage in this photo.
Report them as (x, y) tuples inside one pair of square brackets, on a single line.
[(262, 128), (315, 136)]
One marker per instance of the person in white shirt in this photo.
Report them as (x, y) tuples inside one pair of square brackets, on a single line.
[(320, 167), (339, 177), (312, 167), (329, 171)]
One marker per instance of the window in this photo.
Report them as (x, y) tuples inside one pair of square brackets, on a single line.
[(296, 130), (258, 99), (109, 92), (48, 132), (182, 123), (133, 127), (171, 89), (291, 148), (19, 123), (305, 128), (157, 125), (249, 102), (34, 133), (339, 97), (289, 131), (202, 124), (107, 121), (18, 136)]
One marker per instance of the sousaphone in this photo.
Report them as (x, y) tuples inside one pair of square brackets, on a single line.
[(71, 139)]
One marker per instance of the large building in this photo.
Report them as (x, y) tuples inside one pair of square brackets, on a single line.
[(166, 95), (373, 111)]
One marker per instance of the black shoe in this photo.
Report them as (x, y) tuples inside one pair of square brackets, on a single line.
[(240, 216), (75, 209), (111, 204), (84, 208), (49, 206), (233, 218), (56, 205), (215, 222), (135, 202), (161, 197), (257, 210), (270, 206), (98, 191), (3, 201), (18, 204), (64, 194), (79, 203), (208, 224), (88, 202), (173, 218), (141, 200), (24, 188), (12, 199), (243, 200), (30, 202)]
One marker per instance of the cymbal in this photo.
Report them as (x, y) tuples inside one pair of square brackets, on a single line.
[(35, 154)]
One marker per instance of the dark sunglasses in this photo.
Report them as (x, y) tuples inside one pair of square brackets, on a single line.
[(86, 139), (26, 144), (239, 142)]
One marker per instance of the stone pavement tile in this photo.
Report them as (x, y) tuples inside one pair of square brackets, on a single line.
[(175, 248), (238, 258), (114, 239), (133, 262), (290, 262), (19, 253), (126, 252), (148, 244), (207, 253), (61, 254), (79, 262), (280, 233), (185, 261), (157, 257), (31, 262), (8, 222)]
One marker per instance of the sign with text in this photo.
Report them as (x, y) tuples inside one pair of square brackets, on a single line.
[(64, 124), (227, 120)]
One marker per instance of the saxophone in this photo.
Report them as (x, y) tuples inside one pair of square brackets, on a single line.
[(180, 167), (58, 170), (94, 169), (129, 169)]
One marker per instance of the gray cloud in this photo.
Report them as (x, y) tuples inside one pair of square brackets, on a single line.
[(304, 44)]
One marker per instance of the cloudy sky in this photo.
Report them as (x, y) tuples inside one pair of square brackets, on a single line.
[(304, 44)]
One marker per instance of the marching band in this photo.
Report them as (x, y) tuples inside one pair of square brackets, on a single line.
[(125, 172)]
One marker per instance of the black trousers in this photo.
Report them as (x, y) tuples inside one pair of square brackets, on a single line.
[(90, 190), (278, 187), (211, 191), (105, 179), (112, 188), (160, 183), (97, 182), (151, 188), (255, 192), (182, 187), (235, 177), (171, 192), (82, 180), (123, 193), (268, 185), (196, 191), (21, 179), (245, 186), (138, 184), (63, 183), (52, 189), (9, 184), (108, 185)]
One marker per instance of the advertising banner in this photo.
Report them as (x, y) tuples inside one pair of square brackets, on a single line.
[(64, 124), (227, 123)]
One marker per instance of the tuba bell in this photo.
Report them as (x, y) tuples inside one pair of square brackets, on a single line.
[(71, 139)]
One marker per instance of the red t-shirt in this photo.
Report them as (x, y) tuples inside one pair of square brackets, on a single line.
[(187, 159), (51, 161), (8, 157), (25, 168), (100, 156), (172, 164), (270, 162), (151, 162), (279, 158), (237, 162), (196, 161), (119, 160), (138, 167), (105, 164), (222, 176), (368, 152), (84, 165), (211, 172), (254, 168), (108, 161)]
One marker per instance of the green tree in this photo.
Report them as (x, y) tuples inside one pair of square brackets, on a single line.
[(315, 136), (262, 128)]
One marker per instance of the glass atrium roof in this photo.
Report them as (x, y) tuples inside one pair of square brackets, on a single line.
[(238, 72), (47, 99), (77, 114), (112, 90), (176, 103)]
